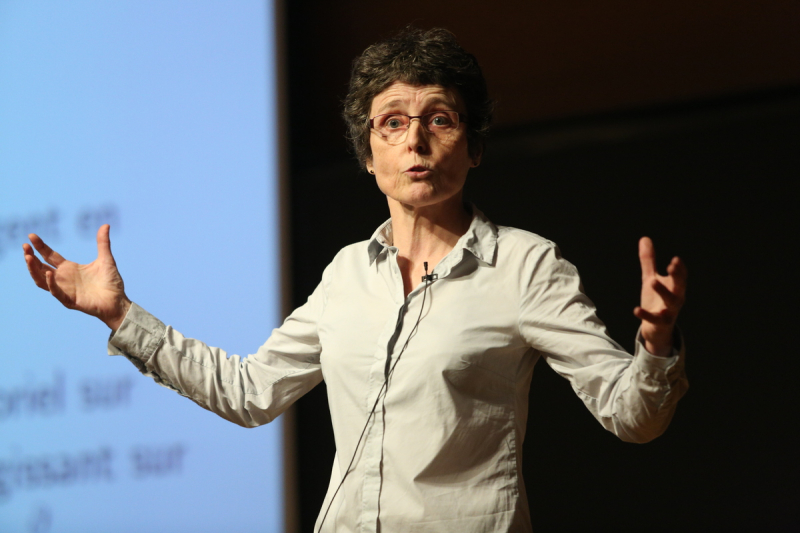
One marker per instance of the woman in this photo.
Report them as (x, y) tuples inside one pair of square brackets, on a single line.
[(427, 333)]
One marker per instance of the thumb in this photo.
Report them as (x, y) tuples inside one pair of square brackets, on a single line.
[(104, 243)]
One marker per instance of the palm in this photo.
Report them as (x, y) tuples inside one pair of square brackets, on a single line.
[(95, 288), (88, 288), (661, 299)]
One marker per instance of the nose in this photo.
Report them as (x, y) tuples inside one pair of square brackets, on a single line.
[(417, 136)]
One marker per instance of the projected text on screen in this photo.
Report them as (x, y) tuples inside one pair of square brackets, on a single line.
[(154, 117)]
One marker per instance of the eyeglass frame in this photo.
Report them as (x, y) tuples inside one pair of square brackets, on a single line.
[(462, 119)]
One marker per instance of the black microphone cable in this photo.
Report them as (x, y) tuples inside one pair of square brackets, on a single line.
[(428, 279)]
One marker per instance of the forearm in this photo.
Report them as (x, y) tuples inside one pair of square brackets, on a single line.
[(645, 397), (247, 391)]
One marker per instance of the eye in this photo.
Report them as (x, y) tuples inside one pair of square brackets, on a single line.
[(393, 122), (440, 120)]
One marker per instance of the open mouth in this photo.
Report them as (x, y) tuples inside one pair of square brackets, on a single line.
[(416, 169)]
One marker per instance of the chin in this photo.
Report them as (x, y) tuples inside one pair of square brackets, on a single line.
[(424, 200)]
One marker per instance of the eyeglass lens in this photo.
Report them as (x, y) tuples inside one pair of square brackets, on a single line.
[(394, 126)]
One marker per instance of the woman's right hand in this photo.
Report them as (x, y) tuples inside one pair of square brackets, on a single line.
[(95, 289)]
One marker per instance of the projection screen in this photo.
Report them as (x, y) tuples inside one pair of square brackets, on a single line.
[(159, 118)]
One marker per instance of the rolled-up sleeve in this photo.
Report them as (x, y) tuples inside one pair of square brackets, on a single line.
[(249, 391), (633, 396)]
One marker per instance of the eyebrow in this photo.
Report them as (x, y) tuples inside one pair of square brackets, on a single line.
[(432, 101)]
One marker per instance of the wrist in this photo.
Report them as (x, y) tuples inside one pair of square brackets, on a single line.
[(663, 344), (115, 321), (660, 349)]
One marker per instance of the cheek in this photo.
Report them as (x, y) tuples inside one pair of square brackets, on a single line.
[(457, 157), (386, 183), (376, 156), (383, 160)]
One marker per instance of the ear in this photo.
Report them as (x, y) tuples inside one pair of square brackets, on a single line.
[(369, 167), (476, 159)]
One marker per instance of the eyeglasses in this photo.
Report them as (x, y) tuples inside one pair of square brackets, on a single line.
[(393, 126)]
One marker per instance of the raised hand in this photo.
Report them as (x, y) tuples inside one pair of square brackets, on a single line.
[(661, 300), (95, 289)]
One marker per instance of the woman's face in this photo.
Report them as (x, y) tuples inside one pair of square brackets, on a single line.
[(423, 169)]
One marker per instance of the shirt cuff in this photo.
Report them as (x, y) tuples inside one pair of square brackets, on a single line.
[(657, 367), (138, 337)]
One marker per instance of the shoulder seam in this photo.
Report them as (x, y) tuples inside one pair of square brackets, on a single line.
[(524, 233)]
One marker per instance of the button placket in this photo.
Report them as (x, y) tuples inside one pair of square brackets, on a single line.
[(385, 356), (372, 455)]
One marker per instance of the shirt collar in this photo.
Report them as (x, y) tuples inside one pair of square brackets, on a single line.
[(480, 239)]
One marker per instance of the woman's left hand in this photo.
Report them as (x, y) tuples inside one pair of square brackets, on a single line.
[(661, 301)]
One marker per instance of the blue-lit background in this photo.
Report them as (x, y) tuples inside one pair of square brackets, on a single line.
[(157, 117)]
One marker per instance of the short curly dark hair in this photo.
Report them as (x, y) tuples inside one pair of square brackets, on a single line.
[(416, 57)]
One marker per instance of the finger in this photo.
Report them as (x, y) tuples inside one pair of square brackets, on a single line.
[(55, 290), (647, 257), (48, 254), (104, 243), (663, 317), (35, 268), (27, 251), (671, 299), (679, 273)]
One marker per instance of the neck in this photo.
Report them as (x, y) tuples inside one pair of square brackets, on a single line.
[(428, 233)]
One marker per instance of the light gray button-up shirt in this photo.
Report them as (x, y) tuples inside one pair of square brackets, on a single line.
[(442, 450)]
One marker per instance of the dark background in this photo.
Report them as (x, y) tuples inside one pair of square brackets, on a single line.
[(616, 119)]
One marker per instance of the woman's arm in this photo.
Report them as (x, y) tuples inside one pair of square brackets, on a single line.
[(247, 391), (632, 396)]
